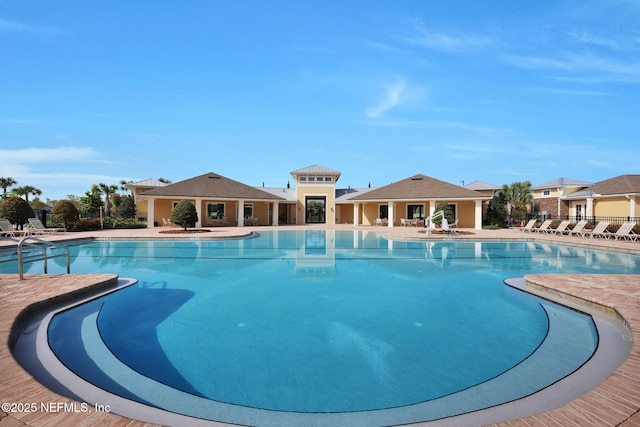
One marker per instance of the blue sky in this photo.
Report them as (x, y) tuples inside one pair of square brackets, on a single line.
[(497, 91)]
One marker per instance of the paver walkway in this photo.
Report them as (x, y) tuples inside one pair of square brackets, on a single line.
[(614, 402)]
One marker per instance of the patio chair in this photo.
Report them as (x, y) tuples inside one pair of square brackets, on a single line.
[(9, 231), (39, 228), (625, 232), (599, 231), (377, 221), (562, 227), (529, 225), (544, 228), (577, 229)]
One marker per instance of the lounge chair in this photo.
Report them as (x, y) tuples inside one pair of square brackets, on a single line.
[(625, 232), (39, 228), (577, 229), (561, 229), (377, 221), (599, 231), (529, 225), (9, 231), (543, 228)]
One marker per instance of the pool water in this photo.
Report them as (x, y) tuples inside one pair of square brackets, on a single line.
[(326, 322)]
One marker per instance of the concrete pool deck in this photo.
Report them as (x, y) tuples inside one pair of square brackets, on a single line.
[(614, 402)]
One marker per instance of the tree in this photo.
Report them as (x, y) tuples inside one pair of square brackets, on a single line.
[(127, 208), (26, 190), (518, 196), (66, 213), (448, 213), (6, 183), (90, 203), (184, 214), (16, 210), (107, 190), (497, 211)]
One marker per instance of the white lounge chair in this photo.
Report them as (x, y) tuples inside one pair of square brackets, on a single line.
[(625, 232), (9, 231), (599, 231), (543, 228), (562, 227), (577, 229), (529, 225), (39, 228)]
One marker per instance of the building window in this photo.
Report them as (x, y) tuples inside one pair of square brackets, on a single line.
[(215, 210), (248, 210), (328, 178), (546, 193), (311, 178), (415, 211), (383, 211)]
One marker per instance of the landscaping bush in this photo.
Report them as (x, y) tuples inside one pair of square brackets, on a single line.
[(110, 222), (86, 224), (65, 213), (16, 210), (184, 214)]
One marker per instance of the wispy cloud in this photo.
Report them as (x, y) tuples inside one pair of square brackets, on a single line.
[(392, 97), (40, 155), (453, 42), (583, 67), (20, 27)]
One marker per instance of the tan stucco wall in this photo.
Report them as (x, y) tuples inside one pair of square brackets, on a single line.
[(344, 213), (328, 191), (618, 206)]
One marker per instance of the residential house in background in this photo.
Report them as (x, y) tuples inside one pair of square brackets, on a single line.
[(550, 198), (615, 199)]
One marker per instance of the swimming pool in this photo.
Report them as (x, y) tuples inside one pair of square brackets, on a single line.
[(326, 325)]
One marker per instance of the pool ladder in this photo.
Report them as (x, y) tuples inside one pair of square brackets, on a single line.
[(44, 255)]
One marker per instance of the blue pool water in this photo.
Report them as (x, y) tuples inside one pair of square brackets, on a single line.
[(326, 322)]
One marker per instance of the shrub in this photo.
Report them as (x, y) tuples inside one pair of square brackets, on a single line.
[(65, 213), (16, 210), (110, 222), (86, 224), (184, 214), (448, 213), (126, 208)]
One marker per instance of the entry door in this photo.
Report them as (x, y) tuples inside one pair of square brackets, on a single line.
[(315, 210)]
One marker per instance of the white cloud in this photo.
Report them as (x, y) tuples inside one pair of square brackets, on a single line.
[(27, 156), (20, 27), (445, 42), (392, 97)]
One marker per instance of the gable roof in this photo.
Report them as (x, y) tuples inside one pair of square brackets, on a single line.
[(288, 194), (420, 187), (562, 182), (213, 186)]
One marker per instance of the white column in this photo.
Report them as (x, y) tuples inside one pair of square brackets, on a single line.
[(391, 213), (241, 213), (632, 206), (274, 220), (589, 212), (356, 214), (198, 203), (150, 211), (478, 221)]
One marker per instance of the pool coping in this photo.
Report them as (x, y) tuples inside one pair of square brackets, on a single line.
[(615, 401)]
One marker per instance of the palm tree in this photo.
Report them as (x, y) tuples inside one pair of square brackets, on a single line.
[(518, 196), (26, 190), (107, 190), (6, 183)]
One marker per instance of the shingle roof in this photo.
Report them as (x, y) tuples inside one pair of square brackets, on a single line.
[(623, 184), (562, 182), (214, 186), (420, 187)]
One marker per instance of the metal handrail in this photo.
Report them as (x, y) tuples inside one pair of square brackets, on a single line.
[(44, 257)]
